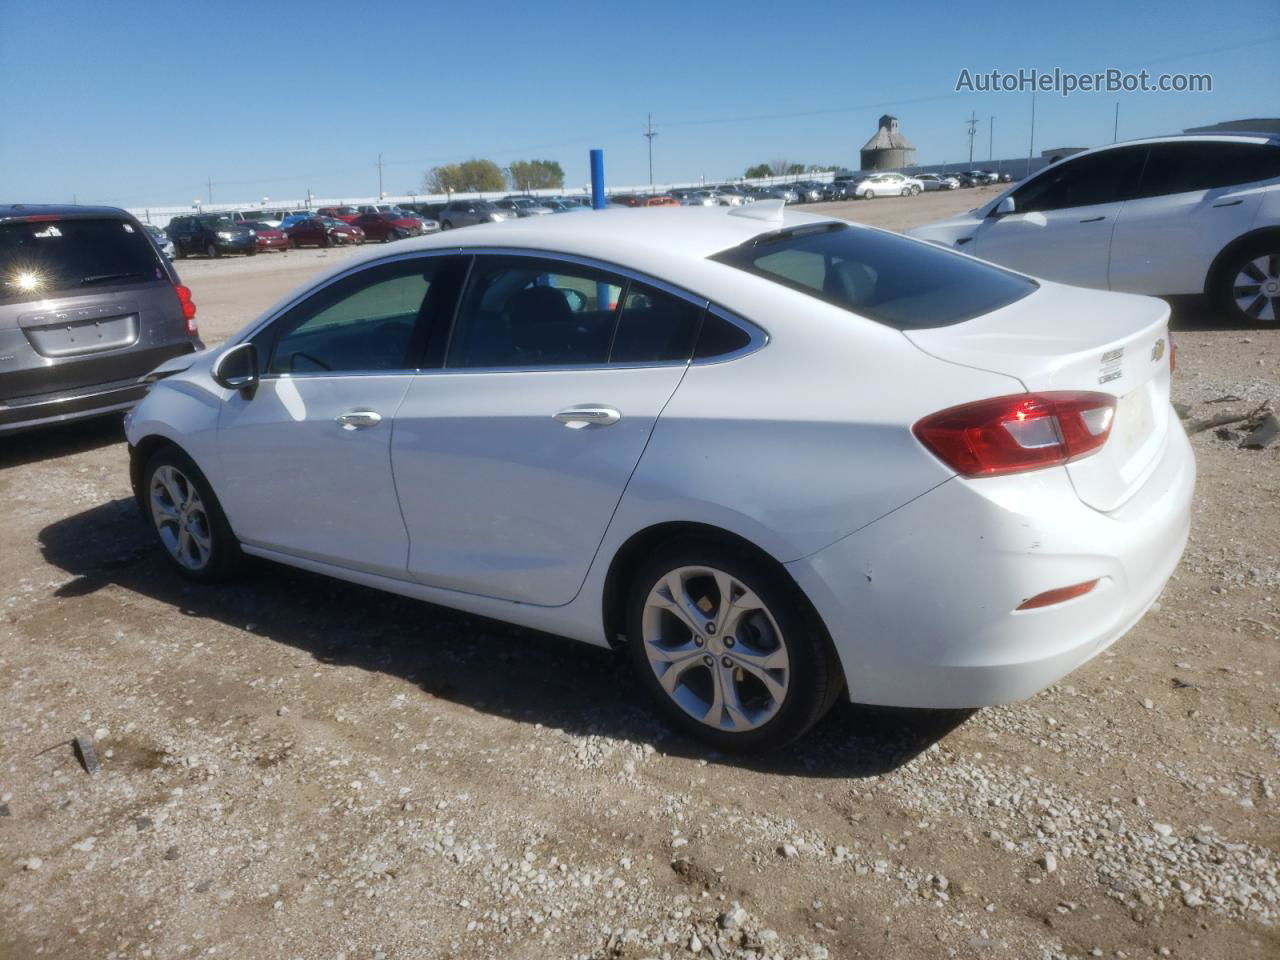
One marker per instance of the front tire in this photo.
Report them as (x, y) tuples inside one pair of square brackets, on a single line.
[(446, 225), (1247, 286), (728, 647), (212, 252), (187, 518)]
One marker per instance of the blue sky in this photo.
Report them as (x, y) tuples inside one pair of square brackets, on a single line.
[(134, 102)]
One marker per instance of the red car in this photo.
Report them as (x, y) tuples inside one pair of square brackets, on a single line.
[(322, 232), (269, 237), (385, 227), (345, 214)]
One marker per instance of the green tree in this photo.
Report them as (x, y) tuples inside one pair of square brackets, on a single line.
[(536, 175), (470, 176), (759, 170)]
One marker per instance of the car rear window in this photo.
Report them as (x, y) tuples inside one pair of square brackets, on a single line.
[(40, 258), (881, 276)]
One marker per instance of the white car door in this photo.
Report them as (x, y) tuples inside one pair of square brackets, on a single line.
[(1062, 219), (305, 462), (511, 459), (1194, 199)]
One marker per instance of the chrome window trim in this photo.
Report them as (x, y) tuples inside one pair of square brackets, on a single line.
[(759, 337)]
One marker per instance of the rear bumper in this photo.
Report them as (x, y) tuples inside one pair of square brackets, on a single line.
[(81, 403), (922, 603)]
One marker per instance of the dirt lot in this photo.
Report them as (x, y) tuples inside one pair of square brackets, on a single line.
[(298, 768)]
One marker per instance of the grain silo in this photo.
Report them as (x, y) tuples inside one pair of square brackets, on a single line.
[(888, 149)]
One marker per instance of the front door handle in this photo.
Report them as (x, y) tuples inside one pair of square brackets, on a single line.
[(1092, 219), (575, 418), (1228, 203), (358, 419)]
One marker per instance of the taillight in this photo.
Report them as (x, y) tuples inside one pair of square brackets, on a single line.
[(188, 307), (1022, 432), (1173, 353)]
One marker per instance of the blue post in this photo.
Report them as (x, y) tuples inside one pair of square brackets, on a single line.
[(597, 180)]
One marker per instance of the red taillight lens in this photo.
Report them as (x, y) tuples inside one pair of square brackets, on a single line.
[(188, 307), (1022, 432)]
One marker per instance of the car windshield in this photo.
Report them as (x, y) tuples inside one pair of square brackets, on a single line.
[(218, 223), (41, 257), (878, 275), (484, 205)]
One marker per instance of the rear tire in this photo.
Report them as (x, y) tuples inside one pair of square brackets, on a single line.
[(294, 244), (187, 518), (766, 677), (1247, 284), (446, 225), (178, 252)]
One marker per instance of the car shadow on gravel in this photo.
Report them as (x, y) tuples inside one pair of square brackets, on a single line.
[(519, 674), (49, 443), (1193, 313)]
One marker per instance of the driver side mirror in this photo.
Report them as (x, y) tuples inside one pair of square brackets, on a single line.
[(237, 369), (1004, 207)]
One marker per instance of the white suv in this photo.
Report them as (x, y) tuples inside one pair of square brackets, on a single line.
[(1169, 216)]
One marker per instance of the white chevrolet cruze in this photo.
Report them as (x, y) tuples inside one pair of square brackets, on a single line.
[(783, 459), (1171, 216)]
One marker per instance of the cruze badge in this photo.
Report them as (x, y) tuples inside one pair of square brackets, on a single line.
[(1111, 362), (1157, 352)]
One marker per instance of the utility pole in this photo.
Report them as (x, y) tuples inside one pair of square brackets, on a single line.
[(1032, 149), (211, 190), (973, 129), (1115, 131), (991, 139), (379, 176), (649, 134)]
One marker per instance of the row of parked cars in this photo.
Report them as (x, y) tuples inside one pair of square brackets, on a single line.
[(249, 232), (851, 186)]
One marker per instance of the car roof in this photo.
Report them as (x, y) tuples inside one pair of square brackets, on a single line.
[(630, 236), (1260, 138), (19, 211)]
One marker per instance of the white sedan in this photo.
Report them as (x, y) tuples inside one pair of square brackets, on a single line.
[(888, 185), (1169, 216), (784, 460)]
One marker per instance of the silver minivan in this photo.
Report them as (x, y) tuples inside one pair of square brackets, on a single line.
[(88, 307)]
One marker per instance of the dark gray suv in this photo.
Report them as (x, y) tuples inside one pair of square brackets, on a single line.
[(87, 307)]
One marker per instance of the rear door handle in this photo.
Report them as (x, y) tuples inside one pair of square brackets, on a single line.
[(1228, 203), (1092, 219), (575, 418), (358, 419)]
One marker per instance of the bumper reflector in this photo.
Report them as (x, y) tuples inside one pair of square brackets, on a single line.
[(1061, 594)]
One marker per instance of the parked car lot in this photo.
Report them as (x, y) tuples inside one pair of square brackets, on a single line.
[(385, 771)]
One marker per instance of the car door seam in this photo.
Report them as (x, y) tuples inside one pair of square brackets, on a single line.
[(604, 534)]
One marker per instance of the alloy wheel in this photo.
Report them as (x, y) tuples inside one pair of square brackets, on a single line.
[(1256, 289), (180, 517), (715, 649)]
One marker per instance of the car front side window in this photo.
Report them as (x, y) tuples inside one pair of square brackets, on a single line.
[(1109, 176), (362, 323)]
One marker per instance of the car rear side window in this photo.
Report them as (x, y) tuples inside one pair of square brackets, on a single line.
[(41, 258), (1192, 166), (655, 327), (878, 275)]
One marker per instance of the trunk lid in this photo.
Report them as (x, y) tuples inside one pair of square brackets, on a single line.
[(1070, 338)]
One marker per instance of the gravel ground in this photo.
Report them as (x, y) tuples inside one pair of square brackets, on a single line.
[(297, 768)]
